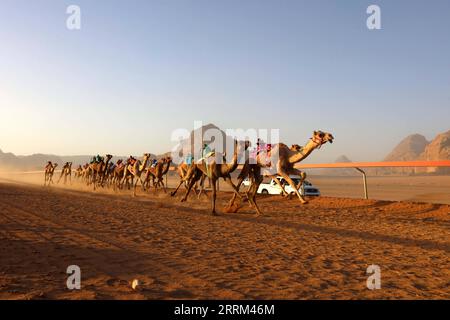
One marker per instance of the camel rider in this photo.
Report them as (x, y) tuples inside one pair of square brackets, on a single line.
[(97, 159), (262, 146), (112, 166), (49, 165), (189, 159), (154, 162), (131, 160), (206, 151)]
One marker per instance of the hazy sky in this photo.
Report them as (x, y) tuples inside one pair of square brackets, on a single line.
[(139, 69)]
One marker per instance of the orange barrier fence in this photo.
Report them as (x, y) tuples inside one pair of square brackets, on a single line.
[(380, 164)]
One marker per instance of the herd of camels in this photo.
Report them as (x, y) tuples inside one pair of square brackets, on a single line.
[(104, 173)]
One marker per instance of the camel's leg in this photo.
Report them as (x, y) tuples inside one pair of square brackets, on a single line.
[(242, 175), (174, 192), (134, 188), (124, 176), (163, 185), (274, 178), (94, 179), (142, 183), (60, 176), (147, 180), (238, 186), (202, 187), (191, 183), (213, 198), (302, 175), (235, 190), (292, 184), (251, 193), (187, 181)]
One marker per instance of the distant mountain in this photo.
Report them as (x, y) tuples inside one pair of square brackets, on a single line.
[(408, 149), (337, 171), (416, 147), (438, 149), (343, 171), (342, 159), (11, 162)]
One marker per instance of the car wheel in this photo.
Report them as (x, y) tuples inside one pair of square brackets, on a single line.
[(265, 191)]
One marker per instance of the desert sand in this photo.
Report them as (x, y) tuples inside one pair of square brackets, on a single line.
[(179, 251)]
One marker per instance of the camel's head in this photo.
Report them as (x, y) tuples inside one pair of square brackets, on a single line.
[(321, 137), (108, 156), (146, 155), (169, 159)]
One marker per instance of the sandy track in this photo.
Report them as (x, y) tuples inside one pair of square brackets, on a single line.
[(320, 250)]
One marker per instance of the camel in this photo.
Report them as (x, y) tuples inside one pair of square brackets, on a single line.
[(49, 170), (157, 173), (287, 158), (98, 170), (182, 170), (109, 173), (66, 172), (117, 173), (86, 173), (164, 171), (149, 176), (78, 172), (214, 171), (135, 170)]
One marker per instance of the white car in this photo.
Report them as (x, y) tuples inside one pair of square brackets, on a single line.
[(273, 188)]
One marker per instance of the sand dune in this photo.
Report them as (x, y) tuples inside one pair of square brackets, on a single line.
[(178, 250)]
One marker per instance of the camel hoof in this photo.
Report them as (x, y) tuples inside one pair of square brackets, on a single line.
[(233, 209), (305, 202), (229, 209)]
